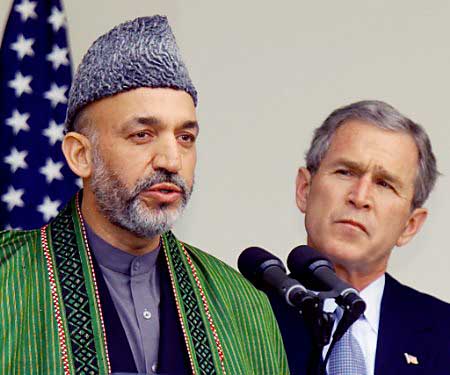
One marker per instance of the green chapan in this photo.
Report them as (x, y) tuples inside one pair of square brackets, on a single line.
[(51, 319)]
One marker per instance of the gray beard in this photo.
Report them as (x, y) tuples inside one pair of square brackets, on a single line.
[(124, 208)]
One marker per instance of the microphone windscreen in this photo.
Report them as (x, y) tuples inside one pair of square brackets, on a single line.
[(299, 261), (251, 262)]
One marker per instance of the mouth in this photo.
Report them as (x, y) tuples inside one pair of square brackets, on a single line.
[(163, 192), (354, 224)]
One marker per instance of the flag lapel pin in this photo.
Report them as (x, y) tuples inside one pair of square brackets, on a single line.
[(410, 359)]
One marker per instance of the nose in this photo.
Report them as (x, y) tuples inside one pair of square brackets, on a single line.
[(360, 193), (167, 156)]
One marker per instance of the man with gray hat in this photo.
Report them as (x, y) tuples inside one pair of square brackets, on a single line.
[(105, 286)]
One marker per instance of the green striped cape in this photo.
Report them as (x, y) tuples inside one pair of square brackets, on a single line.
[(51, 319)]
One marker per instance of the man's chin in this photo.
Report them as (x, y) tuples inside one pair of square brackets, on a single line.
[(166, 209), (340, 251)]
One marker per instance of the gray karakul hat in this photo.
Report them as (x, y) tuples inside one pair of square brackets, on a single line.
[(138, 53)]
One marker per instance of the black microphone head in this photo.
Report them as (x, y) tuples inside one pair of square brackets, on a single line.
[(302, 261), (253, 261)]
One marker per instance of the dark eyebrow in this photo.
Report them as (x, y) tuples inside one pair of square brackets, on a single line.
[(191, 125), (136, 122), (150, 120), (387, 176), (349, 164), (380, 172)]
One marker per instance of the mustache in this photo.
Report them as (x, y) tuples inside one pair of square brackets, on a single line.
[(160, 177)]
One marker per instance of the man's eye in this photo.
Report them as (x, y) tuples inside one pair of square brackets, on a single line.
[(141, 136), (187, 138), (384, 184), (343, 172)]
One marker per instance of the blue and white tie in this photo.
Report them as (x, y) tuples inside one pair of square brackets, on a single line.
[(347, 357)]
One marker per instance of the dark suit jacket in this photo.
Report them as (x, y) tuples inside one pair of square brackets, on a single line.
[(410, 322)]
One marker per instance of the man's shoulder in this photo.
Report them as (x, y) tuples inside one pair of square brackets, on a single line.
[(415, 300), (15, 240), (18, 247), (206, 256), (219, 271)]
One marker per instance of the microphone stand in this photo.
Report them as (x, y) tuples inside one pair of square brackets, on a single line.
[(352, 311), (344, 324), (321, 323)]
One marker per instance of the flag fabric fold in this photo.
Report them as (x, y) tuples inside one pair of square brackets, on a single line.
[(35, 77)]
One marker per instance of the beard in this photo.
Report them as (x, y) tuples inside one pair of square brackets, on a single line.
[(123, 207)]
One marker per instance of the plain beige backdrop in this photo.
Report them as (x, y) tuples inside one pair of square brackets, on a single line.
[(267, 74)]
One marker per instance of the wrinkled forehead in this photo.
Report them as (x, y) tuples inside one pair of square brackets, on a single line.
[(142, 106), (376, 149)]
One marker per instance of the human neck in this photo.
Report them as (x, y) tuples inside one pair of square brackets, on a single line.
[(356, 278), (111, 233)]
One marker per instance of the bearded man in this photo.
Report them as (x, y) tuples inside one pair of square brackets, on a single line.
[(106, 287)]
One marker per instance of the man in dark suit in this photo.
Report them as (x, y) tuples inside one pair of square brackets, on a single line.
[(369, 171)]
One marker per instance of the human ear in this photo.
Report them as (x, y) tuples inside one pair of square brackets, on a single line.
[(303, 185), (413, 225), (77, 150)]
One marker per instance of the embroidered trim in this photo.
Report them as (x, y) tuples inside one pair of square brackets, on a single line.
[(206, 308), (177, 303), (97, 296), (52, 281), (193, 307), (76, 292)]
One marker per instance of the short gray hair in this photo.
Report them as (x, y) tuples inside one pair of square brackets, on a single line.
[(386, 117)]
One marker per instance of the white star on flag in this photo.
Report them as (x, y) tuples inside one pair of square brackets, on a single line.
[(56, 94), (21, 84), (23, 47), (58, 57), (16, 159), (52, 170), (54, 132), (13, 198), (35, 60), (48, 208), (57, 19), (26, 9), (18, 121)]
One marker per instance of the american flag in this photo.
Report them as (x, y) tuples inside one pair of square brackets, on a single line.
[(35, 75)]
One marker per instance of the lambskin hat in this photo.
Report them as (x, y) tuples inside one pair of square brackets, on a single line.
[(138, 53)]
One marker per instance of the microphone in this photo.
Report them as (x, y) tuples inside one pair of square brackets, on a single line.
[(308, 264), (267, 272)]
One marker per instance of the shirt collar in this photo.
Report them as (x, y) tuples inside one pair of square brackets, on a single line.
[(116, 259), (371, 295)]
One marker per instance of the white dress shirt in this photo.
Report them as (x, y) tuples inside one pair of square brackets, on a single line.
[(365, 329)]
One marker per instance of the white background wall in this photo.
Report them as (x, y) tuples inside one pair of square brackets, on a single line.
[(267, 74)]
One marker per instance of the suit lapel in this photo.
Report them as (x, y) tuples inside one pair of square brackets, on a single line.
[(402, 329)]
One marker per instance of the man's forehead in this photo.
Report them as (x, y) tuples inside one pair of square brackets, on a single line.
[(143, 105), (356, 135), (366, 146)]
